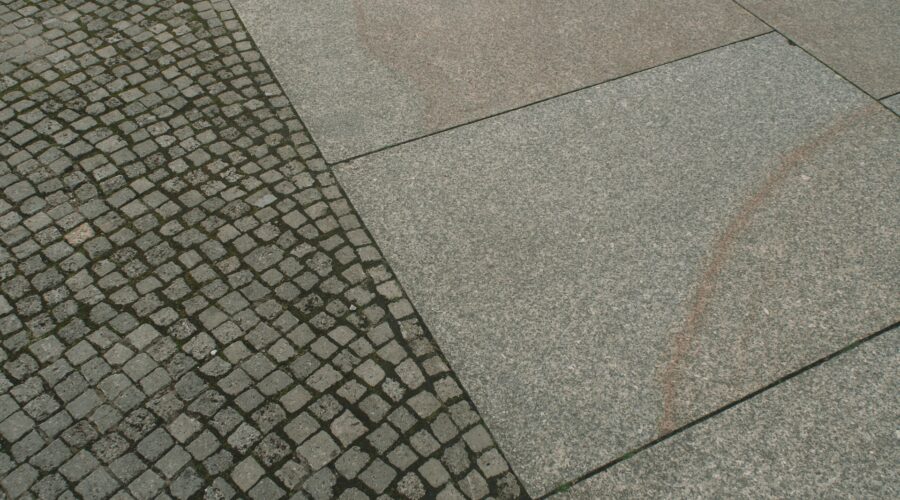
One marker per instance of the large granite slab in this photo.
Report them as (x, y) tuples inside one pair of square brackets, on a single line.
[(830, 432), (859, 39), (606, 266), (369, 73)]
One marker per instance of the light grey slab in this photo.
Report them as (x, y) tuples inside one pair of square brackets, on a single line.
[(860, 39), (603, 267), (830, 432), (893, 102), (365, 74)]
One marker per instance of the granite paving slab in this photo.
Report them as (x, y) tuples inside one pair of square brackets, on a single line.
[(606, 266), (367, 74), (830, 432), (189, 306), (860, 40), (893, 103)]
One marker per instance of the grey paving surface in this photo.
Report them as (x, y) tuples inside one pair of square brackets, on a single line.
[(893, 102), (828, 433), (860, 39), (604, 267), (189, 307), (366, 74)]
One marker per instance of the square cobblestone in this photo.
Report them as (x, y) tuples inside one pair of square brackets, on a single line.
[(188, 304)]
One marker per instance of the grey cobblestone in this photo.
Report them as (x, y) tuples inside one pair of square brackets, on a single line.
[(189, 305)]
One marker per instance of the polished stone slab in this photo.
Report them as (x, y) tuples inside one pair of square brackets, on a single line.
[(367, 74), (830, 432), (606, 266), (859, 39)]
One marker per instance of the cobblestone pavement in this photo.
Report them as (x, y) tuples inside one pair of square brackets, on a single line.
[(189, 305)]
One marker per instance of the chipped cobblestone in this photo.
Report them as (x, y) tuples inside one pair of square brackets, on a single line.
[(189, 306)]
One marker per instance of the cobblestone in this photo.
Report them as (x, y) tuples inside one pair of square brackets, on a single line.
[(189, 305)]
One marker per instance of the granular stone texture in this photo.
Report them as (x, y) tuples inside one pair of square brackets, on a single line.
[(860, 40), (830, 432), (368, 74), (605, 267), (189, 306)]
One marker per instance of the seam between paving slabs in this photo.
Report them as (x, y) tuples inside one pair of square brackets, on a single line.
[(562, 488), (510, 110), (713, 413), (810, 54), (568, 484), (565, 486), (385, 263), (883, 99), (146, 186)]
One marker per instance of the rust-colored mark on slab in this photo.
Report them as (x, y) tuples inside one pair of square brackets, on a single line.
[(681, 342), (468, 58), (465, 59)]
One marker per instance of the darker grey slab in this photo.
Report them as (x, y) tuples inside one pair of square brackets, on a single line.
[(828, 433), (605, 266), (368, 73), (859, 39)]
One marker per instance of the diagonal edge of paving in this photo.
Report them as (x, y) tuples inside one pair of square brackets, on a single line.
[(367, 75), (828, 432), (859, 40), (892, 103), (732, 157), (189, 304)]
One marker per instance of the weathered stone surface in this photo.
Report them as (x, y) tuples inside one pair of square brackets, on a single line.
[(604, 267), (367, 74), (893, 103), (829, 432), (187, 299), (860, 40)]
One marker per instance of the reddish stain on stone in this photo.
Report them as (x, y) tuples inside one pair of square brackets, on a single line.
[(683, 339)]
